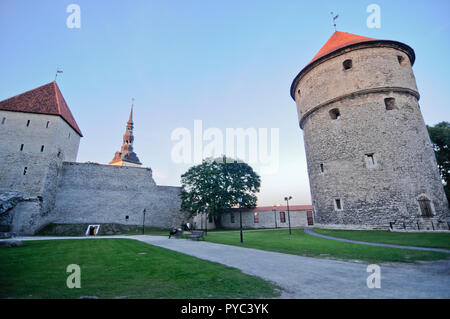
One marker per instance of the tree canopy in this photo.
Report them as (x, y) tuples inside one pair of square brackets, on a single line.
[(440, 137), (219, 183)]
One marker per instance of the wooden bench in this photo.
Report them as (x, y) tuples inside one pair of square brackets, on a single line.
[(197, 234)]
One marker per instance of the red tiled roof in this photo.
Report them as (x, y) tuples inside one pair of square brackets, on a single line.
[(46, 99), (337, 41), (278, 208), (340, 40)]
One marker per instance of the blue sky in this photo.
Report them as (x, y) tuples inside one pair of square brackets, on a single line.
[(227, 63)]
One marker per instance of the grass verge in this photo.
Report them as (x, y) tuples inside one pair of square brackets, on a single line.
[(437, 240), (120, 268), (302, 244)]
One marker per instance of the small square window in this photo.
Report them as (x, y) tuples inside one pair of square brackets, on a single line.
[(390, 103), (348, 64), (335, 114), (401, 60)]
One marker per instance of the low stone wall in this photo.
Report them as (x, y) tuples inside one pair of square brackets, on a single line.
[(94, 193), (80, 229)]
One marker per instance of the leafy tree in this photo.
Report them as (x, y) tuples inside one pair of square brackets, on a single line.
[(440, 137), (219, 183)]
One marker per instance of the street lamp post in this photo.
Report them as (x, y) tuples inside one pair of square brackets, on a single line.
[(289, 215), (275, 215), (240, 218), (143, 221), (206, 220)]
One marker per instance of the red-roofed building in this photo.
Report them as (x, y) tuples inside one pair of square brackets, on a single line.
[(37, 129), (46, 99)]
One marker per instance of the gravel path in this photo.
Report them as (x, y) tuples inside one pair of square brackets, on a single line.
[(311, 232), (306, 277)]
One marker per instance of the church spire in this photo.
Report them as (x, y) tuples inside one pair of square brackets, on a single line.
[(126, 156), (131, 112)]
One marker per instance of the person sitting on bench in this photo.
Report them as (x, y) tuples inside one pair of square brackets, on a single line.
[(173, 232)]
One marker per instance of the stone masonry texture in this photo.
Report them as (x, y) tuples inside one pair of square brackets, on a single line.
[(371, 192)]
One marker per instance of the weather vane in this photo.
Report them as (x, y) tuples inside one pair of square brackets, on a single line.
[(58, 71), (334, 19)]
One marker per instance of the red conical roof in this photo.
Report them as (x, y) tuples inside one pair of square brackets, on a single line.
[(337, 41), (340, 40), (46, 99)]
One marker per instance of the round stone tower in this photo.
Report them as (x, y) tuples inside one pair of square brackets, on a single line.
[(370, 159)]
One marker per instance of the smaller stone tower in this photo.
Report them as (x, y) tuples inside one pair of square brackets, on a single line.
[(126, 156), (37, 134)]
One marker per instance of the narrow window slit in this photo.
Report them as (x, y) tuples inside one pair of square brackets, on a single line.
[(338, 203), (370, 159)]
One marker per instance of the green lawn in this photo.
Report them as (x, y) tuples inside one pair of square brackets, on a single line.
[(438, 240), (121, 268), (300, 243)]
